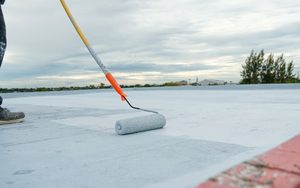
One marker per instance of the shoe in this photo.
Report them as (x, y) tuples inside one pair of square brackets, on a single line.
[(8, 117)]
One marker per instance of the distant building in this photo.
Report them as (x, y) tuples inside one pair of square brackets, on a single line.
[(179, 83), (211, 82), (182, 83)]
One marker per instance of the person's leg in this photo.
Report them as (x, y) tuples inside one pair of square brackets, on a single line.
[(6, 116), (0, 104), (2, 41), (2, 36)]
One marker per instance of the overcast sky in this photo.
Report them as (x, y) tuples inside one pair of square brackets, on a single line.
[(143, 41)]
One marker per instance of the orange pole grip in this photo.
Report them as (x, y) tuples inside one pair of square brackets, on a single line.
[(115, 85)]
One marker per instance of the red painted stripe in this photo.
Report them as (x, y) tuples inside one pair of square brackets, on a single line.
[(278, 168)]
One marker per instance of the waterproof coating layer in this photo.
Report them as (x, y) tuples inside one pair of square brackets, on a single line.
[(140, 124)]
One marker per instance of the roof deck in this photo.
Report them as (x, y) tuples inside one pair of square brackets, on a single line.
[(69, 140)]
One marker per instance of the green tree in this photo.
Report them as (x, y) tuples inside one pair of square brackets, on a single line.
[(247, 69), (268, 70), (252, 69), (282, 69), (290, 76), (276, 71), (259, 70), (101, 85), (257, 67)]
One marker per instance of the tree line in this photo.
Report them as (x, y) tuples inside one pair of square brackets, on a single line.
[(261, 69), (71, 88)]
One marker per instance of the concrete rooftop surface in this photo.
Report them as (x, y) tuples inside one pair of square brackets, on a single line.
[(68, 140)]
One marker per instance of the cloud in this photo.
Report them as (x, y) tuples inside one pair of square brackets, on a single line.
[(143, 40)]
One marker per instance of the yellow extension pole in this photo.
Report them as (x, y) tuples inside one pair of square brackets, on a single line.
[(76, 26)]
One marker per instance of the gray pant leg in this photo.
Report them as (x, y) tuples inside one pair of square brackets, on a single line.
[(2, 40), (2, 36)]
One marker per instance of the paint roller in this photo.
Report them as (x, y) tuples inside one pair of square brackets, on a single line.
[(129, 125)]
